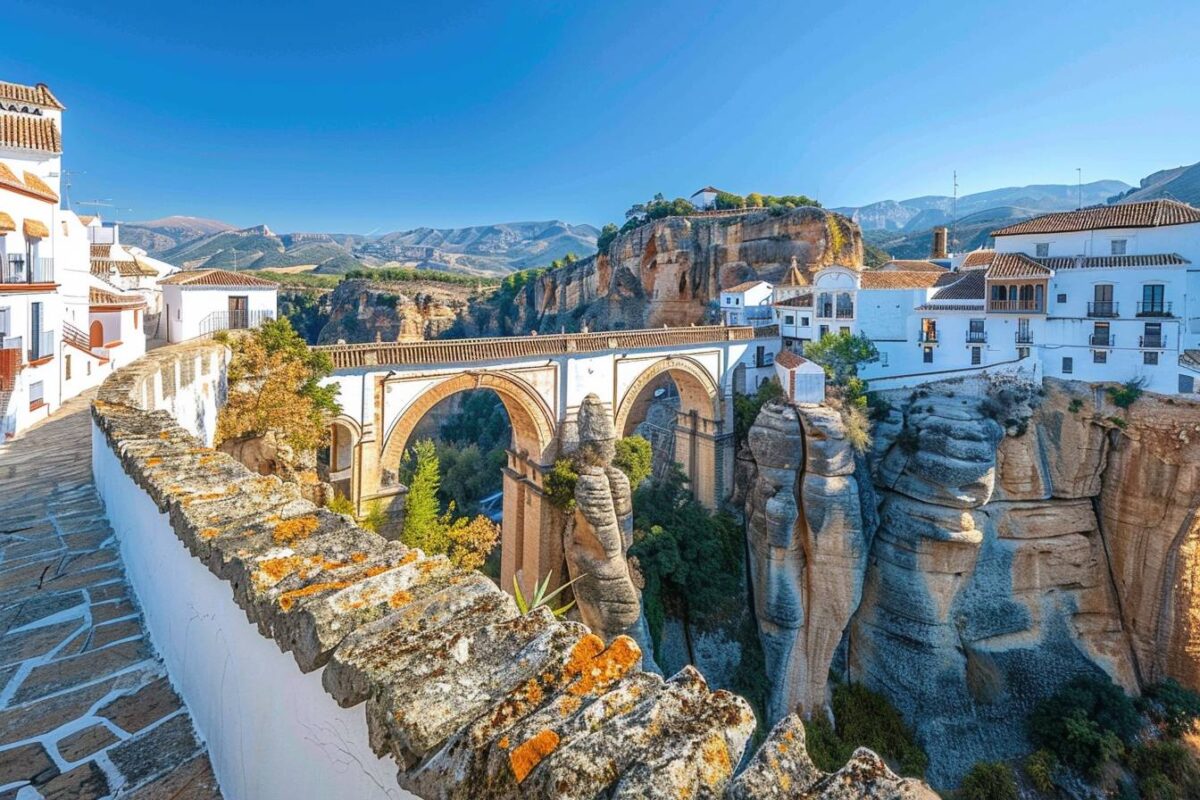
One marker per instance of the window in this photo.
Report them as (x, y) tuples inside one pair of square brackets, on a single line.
[(789, 320), (1117, 247), (728, 300), (67, 366), (1068, 365), (976, 356), (883, 359), (1042, 249), (36, 399), (4, 317), (1152, 298), (1022, 352), (804, 322), (1150, 358), (844, 330), (1062, 298), (927, 355), (89, 367), (1099, 356)]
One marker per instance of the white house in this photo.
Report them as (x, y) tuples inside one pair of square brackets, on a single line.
[(127, 268), (802, 380), (204, 301), (747, 303), (705, 199)]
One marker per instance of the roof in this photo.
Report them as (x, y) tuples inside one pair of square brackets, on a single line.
[(38, 95), (1016, 265), (38, 188), (907, 265), (101, 250), (6, 223), (100, 297), (789, 360), (126, 267), (707, 189), (35, 229), (977, 259), (745, 286), (30, 133), (899, 280), (799, 301), (87, 219), (216, 277), (970, 285), (1150, 214), (1113, 262)]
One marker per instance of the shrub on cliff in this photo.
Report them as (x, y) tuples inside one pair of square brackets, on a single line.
[(1128, 393), (608, 235), (1085, 723), (841, 354), (1165, 770), (747, 406), (1172, 706), (635, 458), (864, 719), (988, 780)]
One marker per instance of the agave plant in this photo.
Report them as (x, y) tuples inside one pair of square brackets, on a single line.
[(539, 597)]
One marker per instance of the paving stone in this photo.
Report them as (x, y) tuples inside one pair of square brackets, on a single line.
[(27, 762), (109, 591), (6, 675), (27, 721), (85, 540), (82, 562), (155, 751), (191, 781), (75, 670), (114, 610), (30, 576), (85, 579), (104, 635), (147, 705), (85, 742), (35, 642), (31, 610), (85, 782)]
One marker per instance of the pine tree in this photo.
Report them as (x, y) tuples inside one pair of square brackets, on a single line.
[(422, 527)]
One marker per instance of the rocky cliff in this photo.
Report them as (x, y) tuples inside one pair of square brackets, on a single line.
[(368, 311), (1027, 534), (668, 272)]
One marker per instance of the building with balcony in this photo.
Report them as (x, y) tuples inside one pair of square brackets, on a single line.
[(747, 303), (202, 302)]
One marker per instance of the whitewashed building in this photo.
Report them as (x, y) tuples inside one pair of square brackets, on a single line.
[(747, 303), (203, 301), (127, 268), (803, 381), (705, 199)]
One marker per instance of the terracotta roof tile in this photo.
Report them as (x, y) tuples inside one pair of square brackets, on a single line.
[(34, 229), (1150, 214), (799, 301), (789, 360), (9, 180), (126, 268), (30, 133), (911, 265), (40, 187), (38, 95), (1113, 262), (970, 285), (101, 250), (744, 286), (100, 297), (6, 223), (898, 280), (1016, 265), (215, 277), (977, 259)]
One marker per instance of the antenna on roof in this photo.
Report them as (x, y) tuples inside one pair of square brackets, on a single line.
[(67, 175), (954, 215)]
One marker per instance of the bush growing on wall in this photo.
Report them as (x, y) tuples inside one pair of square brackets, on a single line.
[(1085, 723), (634, 457), (864, 719)]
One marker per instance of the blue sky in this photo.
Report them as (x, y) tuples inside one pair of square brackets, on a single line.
[(394, 115)]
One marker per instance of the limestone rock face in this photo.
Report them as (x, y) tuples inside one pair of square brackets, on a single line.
[(808, 549), (601, 529), (666, 272), (367, 311)]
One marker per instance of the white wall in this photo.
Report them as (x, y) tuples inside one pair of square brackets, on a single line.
[(189, 307)]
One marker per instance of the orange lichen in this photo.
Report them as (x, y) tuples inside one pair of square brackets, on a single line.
[(288, 599), (379, 569), (208, 533), (276, 569), (399, 598), (503, 742), (607, 667), (358, 558), (407, 558), (292, 529), (204, 460), (164, 435), (582, 655), (530, 753), (716, 765), (568, 705), (153, 461)]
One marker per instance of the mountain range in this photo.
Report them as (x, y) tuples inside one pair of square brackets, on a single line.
[(481, 249)]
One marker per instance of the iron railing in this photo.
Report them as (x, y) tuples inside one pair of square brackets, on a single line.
[(18, 269), (929, 337), (1034, 306), (1102, 309), (1024, 337), (234, 320), (1101, 340), (1152, 342), (976, 337), (1155, 309)]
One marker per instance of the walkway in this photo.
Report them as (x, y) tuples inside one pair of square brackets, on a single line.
[(85, 709)]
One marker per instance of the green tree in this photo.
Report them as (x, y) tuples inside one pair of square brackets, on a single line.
[(635, 458), (728, 200), (989, 780), (1085, 723), (421, 509), (841, 354), (755, 200), (864, 719), (747, 406), (608, 235)]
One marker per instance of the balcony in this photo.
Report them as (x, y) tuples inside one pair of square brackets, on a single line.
[(929, 337), (1158, 342), (1017, 306), (1101, 340), (1103, 309), (1155, 309), (233, 320), (1024, 337), (976, 337), (18, 269)]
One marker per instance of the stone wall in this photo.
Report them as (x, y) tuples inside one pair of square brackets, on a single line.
[(430, 666)]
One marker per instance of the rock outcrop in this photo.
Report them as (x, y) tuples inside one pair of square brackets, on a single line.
[(1028, 533), (668, 271), (600, 530), (369, 311), (808, 548)]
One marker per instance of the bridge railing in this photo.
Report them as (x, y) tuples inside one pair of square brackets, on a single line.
[(349, 356)]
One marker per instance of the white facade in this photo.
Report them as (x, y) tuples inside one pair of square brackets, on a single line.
[(705, 199), (202, 302), (747, 303)]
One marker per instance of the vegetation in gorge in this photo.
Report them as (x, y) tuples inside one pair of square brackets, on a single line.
[(1127, 393), (635, 458), (466, 541), (274, 386), (747, 406), (989, 780), (841, 355), (863, 719)]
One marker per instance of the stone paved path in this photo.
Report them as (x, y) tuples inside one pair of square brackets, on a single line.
[(85, 708)]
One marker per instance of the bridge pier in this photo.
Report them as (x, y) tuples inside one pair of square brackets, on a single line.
[(705, 452), (531, 533)]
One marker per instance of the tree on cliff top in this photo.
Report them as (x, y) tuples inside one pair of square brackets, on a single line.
[(275, 386), (841, 354)]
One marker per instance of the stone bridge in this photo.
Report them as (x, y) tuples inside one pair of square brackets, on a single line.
[(386, 388)]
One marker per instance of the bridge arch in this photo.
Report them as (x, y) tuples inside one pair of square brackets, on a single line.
[(698, 391), (532, 420)]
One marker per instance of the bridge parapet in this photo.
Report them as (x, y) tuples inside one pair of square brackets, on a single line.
[(500, 348)]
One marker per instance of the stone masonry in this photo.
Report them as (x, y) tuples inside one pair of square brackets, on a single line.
[(540, 707), (86, 709)]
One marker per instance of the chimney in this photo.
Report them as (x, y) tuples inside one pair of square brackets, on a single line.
[(941, 235)]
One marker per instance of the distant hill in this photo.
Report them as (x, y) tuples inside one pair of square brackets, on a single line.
[(157, 236), (921, 213), (1180, 183), (969, 233), (480, 249)]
